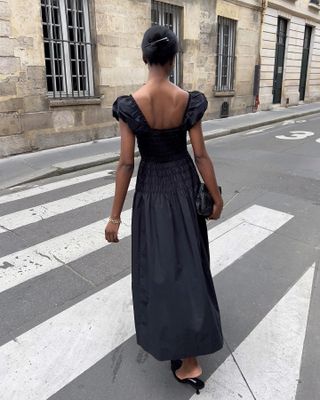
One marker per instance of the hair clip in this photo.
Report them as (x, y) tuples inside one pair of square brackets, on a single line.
[(156, 41)]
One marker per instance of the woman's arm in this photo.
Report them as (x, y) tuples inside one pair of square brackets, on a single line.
[(123, 176), (205, 167)]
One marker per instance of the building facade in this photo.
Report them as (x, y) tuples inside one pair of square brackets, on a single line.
[(63, 62), (290, 53), (237, 52)]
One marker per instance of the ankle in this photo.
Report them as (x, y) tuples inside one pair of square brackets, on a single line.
[(187, 371), (191, 362), (190, 368)]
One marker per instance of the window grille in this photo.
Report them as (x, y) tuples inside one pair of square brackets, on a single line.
[(67, 48), (225, 54), (282, 31), (170, 16)]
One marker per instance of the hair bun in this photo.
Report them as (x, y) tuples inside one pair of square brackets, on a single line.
[(159, 45)]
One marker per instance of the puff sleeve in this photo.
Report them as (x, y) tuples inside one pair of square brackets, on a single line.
[(197, 107), (120, 109)]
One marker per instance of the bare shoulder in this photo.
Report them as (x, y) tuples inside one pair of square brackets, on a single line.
[(145, 93), (140, 92), (177, 92)]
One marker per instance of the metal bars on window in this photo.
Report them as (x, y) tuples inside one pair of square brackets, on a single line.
[(282, 31), (225, 54), (67, 48), (169, 15)]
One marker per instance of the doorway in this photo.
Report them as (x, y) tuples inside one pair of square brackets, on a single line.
[(304, 62), (279, 60)]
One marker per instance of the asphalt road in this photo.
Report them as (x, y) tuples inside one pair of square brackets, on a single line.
[(66, 327)]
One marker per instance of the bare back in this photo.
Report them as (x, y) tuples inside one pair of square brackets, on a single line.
[(163, 107)]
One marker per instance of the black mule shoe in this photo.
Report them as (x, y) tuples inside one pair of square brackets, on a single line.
[(195, 382)]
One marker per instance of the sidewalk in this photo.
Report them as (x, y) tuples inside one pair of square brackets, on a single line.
[(22, 168)]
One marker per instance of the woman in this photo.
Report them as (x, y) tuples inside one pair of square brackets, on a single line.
[(176, 312)]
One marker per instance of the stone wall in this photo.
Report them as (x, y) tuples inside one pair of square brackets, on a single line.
[(22, 75), (120, 26), (313, 77), (120, 30), (30, 121), (247, 15)]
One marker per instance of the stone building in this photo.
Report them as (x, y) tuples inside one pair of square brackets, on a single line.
[(237, 53), (63, 62), (290, 53)]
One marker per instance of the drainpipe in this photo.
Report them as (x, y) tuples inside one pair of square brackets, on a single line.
[(264, 5)]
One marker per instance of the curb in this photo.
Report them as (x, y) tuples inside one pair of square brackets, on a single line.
[(275, 120), (223, 132), (69, 166), (100, 159)]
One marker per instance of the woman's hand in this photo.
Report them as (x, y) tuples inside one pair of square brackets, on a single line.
[(111, 232), (216, 210)]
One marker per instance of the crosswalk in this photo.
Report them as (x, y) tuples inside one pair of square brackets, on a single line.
[(270, 356), (28, 216), (44, 359), (36, 190)]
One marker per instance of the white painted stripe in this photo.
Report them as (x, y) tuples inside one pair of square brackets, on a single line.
[(264, 217), (75, 339), (38, 213), (45, 256), (35, 190), (38, 363), (221, 387), (53, 253), (259, 130), (232, 239), (270, 356)]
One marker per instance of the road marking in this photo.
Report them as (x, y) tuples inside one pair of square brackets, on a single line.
[(242, 232), (40, 362), (43, 211), (36, 260), (259, 130), (264, 217), (33, 261), (213, 131), (296, 135), (287, 122), (22, 194), (226, 383), (270, 356), (81, 335)]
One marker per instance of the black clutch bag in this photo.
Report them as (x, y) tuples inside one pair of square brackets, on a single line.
[(204, 200)]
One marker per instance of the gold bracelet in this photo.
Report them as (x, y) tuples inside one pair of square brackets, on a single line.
[(114, 220)]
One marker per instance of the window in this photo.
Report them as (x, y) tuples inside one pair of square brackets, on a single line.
[(67, 48), (225, 54), (170, 16)]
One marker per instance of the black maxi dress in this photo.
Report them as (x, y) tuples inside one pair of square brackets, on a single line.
[(176, 312)]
